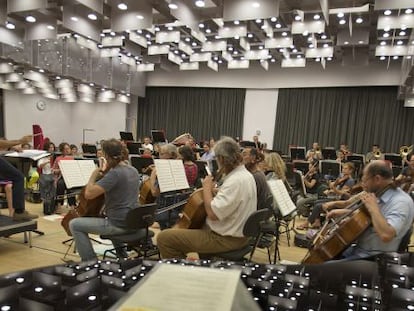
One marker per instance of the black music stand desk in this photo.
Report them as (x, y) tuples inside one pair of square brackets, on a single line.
[(8, 227)]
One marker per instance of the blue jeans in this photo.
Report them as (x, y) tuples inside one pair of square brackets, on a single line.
[(80, 227)]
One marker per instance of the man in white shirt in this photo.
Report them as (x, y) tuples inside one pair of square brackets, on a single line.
[(147, 144), (227, 211)]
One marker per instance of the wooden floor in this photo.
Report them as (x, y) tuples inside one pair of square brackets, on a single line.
[(48, 249)]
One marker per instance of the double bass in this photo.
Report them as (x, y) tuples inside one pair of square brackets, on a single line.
[(193, 215), (336, 235)]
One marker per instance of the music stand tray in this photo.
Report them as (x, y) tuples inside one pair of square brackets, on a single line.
[(158, 136), (330, 168), (297, 153), (134, 148)]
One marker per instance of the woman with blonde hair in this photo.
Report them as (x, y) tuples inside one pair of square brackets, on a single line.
[(276, 166)]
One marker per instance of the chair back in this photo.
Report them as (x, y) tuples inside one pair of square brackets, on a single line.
[(38, 139), (252, 227), (141, 216)]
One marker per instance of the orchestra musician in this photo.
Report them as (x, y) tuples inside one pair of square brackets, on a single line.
[(374, 154), (251, 158), (257, 143), (406, 177), (392, 213), (120, 184), (315, 153), (12, 174), (227, 211)]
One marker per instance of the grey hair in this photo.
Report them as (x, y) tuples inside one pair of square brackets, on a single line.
[(171, 150), (228, 151)]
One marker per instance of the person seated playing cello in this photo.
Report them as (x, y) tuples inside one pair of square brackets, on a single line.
[(227, 212), (391, 211)]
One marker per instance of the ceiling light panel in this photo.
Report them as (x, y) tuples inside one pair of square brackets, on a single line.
[(231, 32), (275, 43), (145, 67), (158, 49), (319, 52), (395, 22), (310, 27), (167, 36), (293, 62), (243, 9), (213, 46)]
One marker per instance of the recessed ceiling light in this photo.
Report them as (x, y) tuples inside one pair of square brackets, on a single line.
[(278, 25), (92, 16), (316, 17), (173, 6), (318, 59), (340, 14), (140, 17), (208, 30), (200, 3), (50, 27), (273, 19), (194, 44), (383, 43), (386, 35), (400, 42), (236, 22), (272, 60), (157, 28), (10, 25), (329, 58), (387, 28), (325, 45), (408, 56), (299, 56), (122, 6), (395, 57), (112, 33), (187, 39), (359, 20), (201, 25), (74, 18), (298, 18), (57, 77), (342, 22), (387, 12), (360, 42), (402, 33), (261, 47), (258, 21), (346, 42), (30, 19), (294, 51), (284, 34), (170, 28), (408, 11), (250, 35), (256, 4), (323, 37), (382, 58), (311, 46)]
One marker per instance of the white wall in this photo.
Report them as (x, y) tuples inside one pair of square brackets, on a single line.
[(260, 114), (62, 121), (313, 75)]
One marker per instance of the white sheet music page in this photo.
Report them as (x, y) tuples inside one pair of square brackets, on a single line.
[(177, 288), (71, 173), (170, 175), (281, 197), (31, 153), (86, 167)]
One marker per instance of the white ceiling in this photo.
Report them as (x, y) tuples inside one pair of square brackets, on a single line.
[(113, 49)]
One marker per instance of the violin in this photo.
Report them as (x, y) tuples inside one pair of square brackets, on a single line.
[(340, 181)]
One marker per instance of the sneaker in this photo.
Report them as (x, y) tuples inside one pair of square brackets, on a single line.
[(24, 216)]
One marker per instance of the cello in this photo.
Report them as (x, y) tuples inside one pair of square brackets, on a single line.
[(193, 215), (336, 235)]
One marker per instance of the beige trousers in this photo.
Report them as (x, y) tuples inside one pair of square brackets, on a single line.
[(177, 243)]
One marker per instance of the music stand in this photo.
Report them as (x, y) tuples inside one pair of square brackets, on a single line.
[(89, 150), (329, 154), (330, 168), (133, 148), (302, 166), (394, 158), (127, 136), (297, 153), (247, 144), (158, 136), (140, 163)]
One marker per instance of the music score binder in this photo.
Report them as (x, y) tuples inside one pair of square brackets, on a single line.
[(281, 197), (171, 175), (76, 173)]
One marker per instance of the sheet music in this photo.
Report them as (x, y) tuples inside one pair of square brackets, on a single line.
[(171, 175), (281, 197), (177, 288), (76, 173)]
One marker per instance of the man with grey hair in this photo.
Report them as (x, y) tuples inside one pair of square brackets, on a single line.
[(227, 211), (391, 211)]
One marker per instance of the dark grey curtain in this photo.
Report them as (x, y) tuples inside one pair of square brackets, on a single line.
[(358, 116), (203, 112)]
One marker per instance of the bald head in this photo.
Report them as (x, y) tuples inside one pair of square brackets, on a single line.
[(379, 168)]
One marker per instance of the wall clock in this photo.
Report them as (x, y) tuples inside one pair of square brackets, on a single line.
[(41, 105)]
